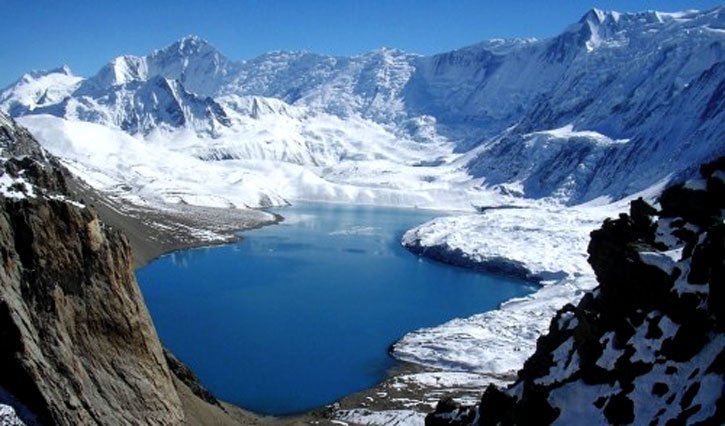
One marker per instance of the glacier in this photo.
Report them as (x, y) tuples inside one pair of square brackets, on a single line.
[(562, 131)]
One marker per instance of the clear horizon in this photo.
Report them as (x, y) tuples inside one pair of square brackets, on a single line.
[(86, 35)]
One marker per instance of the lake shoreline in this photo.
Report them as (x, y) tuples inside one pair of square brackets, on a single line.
[(147, 247), (388, 395), (149, 243)]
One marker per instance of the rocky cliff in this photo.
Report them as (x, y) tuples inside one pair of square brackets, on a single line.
[(648, 345), (78, 345)]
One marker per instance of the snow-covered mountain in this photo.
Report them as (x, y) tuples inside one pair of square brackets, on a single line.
[(614, 104), (139, 106), (192, 61), (38, 89), (369, 85), (655, 80)]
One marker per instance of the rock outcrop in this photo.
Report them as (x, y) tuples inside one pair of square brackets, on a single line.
[(78, 345), (645, 347)]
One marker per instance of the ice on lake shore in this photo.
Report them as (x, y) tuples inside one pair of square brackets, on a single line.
[(547, 244)]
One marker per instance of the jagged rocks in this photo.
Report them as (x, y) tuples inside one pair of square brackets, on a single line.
[(450, 412), (645, 347)]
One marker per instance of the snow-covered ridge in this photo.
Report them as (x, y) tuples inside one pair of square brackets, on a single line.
[(192, 61), (543, 119), (546, 244), (567, 133)]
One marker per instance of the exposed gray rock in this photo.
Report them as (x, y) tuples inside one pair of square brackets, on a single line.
[(78, 343)]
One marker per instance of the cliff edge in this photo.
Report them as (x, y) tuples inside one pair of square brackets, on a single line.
[(78, 345)]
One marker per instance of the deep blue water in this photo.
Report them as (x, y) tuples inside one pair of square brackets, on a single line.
[(299, 314)]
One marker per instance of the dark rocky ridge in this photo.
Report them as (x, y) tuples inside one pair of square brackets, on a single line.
[(78, 345), (648, 345)]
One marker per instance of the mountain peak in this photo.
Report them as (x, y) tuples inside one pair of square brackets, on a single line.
[(64, 69), (385, 52), (595, 16), (191, 38), (189, 45), (124, 69)]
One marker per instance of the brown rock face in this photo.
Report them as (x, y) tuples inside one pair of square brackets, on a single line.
[(78, 345)]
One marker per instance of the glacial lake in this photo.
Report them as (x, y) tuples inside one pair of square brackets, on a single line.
[(300, 314)]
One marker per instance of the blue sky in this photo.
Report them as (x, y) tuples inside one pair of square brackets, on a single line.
[(42, 34)]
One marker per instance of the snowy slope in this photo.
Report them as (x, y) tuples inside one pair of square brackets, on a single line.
[(576, 73), (255, 165), (119, 164), (368, 84)]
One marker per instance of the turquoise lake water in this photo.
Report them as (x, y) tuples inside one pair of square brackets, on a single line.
[(300, 314)]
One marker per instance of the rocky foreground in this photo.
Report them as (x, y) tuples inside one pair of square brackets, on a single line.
[(647, 346)]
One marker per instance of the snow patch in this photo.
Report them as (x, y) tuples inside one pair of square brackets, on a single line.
[(567, 132), (383, 418), (574, 401), (610, 355), (665, 260), (566, 362)]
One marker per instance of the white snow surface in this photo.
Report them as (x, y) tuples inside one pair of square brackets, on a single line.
[(662, 260), (567, 132), (364, 416), (610, 355), (574, 401), (447, 380), (549, 243), (15, 413), (15, 188), (645, 349), (262, 162), (566, 361), (8, 417)]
